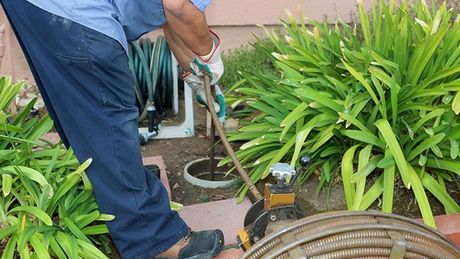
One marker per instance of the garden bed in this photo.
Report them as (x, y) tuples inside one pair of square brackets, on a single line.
[(177, 153), (312, 203)]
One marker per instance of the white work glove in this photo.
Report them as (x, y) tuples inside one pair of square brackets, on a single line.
[(210, 64), (197, 84)]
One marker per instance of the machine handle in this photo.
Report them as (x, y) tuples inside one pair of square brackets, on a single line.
[(207, 87)]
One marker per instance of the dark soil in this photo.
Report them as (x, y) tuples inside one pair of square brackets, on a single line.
[(404, 202), (177, 153)]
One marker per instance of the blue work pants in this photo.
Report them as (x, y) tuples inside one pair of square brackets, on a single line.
[(84, 79)]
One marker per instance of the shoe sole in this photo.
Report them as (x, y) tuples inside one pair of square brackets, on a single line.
[(199, 256)]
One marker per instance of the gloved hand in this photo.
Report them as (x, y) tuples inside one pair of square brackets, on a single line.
[(197, 84), (210, 64)]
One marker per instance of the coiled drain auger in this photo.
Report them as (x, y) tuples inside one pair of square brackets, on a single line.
[(367, 234), (151, 67)]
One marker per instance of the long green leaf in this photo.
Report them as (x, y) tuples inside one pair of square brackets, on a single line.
[(453, 166), (85, 220), (388, 185), (68, 244), (422, 199), (75, 229), (366, 169), (303, 134), (95, 230), (454, 149), (372, 194), (28, 172), (7, 231), (393, 145), (456, 103), (296, 114), (347, 173), (429, 116), (10, 247), (364, 136), (40, 250), (325, 136), (433, 186), (365, 24), (363, 160), (63, 189), (7, 182), (56, 248), (426, 144), (33, 211), (354, 121), (364, 82), (321, 98)]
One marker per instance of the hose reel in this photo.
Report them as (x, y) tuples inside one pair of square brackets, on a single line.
[(151, 65)]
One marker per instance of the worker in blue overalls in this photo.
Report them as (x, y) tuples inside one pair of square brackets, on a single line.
[(77, 52)]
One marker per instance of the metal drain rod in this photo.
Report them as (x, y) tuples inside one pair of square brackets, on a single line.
[(218, 126), (212, 148)]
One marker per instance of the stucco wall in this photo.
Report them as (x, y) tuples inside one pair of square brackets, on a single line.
[(234, 20), (269, 12)]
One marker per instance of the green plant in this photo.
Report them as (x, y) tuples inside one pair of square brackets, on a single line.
[(250, 59), (454, 4), (375, 100), (46, 204)]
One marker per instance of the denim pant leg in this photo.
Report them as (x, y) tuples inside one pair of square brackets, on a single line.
[(86, 77)]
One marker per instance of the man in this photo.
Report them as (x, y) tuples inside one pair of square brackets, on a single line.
[(76, 50)]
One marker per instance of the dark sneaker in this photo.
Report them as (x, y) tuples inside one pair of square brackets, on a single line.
[(202, 245)]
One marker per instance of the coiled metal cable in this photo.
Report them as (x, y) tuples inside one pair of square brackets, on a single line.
[(369, 234)]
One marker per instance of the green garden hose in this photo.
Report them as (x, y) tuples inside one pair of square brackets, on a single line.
[(151, 66)]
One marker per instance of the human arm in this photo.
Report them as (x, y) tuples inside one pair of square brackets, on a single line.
[(189, 23)]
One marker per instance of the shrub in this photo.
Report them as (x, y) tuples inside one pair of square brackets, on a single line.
[(381, 102), (46, 204), (250, 59)]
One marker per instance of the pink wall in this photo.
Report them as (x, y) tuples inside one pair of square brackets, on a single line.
[(269, 12), (235, 20)]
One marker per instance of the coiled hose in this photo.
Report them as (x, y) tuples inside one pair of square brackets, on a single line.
[(150, 63), (369, 234)]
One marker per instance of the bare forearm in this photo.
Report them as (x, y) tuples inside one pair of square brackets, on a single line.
[(182, 53), (189, 23)]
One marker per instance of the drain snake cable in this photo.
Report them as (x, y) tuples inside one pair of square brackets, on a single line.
[(218, 125)]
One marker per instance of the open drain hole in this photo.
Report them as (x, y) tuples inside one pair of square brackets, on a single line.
[(197, 173)]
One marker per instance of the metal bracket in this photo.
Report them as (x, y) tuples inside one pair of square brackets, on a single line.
[(187, 127)]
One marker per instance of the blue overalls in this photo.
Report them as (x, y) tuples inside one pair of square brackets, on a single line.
[(77, 54)]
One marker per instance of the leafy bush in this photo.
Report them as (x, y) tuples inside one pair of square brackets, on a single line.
[(252, 59), (46, 204), (374, 102)]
